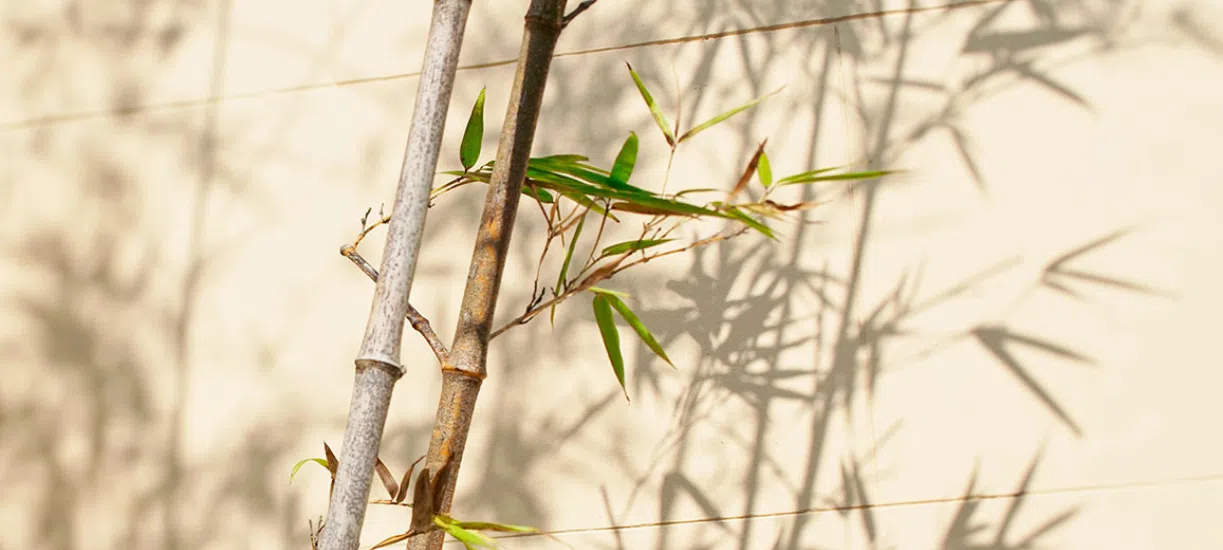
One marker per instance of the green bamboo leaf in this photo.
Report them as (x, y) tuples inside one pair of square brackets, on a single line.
[(620, 248), (588, 203), (655, 111), (839, 177), (490, 526), (559, 181), (563, 163), (722, 117), (764, 170), (805, 175), (561, 158), (611, 338), (583, 171), (463, 532), (302, 462), (751, 222), (471, 540), (609, 292), (698, 190), (563, 278), (623, 168), (639, 327), (653, 205), (595, 175), (538, 194), (473, 136)]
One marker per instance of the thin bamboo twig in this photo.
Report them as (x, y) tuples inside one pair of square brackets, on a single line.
[(605, 272), (461, 379), (378, 362), (418, 321), (577, 11)]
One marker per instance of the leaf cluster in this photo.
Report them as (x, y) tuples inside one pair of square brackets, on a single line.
[(569, 189), (426, 500)]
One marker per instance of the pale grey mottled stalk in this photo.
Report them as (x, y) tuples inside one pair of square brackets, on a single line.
[(378, 362)]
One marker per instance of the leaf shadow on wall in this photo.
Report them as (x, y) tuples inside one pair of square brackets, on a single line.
[(97, 414), (744, 334)]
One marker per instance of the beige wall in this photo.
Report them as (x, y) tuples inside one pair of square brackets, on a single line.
[(1032, 309)]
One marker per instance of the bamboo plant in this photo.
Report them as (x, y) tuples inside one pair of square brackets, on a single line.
[(573, 194)]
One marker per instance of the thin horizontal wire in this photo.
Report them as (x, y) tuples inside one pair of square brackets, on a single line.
[(208, 101), (898, 504)]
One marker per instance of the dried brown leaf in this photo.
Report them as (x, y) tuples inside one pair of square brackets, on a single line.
[(422, 503), (333, 463), (808, 205), (392, 540), (439, 483), (388, 480), (407, 479), (747, 172)]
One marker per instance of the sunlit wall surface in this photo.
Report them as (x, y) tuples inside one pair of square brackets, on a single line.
[(1012, 343)]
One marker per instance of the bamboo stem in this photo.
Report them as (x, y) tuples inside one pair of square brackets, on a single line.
[(378, 362), (462, 377)]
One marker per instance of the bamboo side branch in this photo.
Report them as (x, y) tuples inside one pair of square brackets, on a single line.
[(461, 379), (378, 362), (414, 317)]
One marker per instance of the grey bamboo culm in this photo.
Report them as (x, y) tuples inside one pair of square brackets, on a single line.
[(378, 362)]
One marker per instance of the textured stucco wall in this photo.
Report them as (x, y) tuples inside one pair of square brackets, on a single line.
[(1027, 314)]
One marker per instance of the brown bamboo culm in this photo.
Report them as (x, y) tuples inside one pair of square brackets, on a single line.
[(467, 368)]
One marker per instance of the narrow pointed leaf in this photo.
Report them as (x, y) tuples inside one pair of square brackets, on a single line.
[(333, 463), (489, 526), (422, 503), (592, 205), (473, 136), (804, 175), (563, 277), (407, 479), (626, 160), (537, 194), (303, 462), (775, 209), (655, 111), (764, 170), (747, 172), (392, 540), (651, 205), (388, 479), (840, 177), (611, 338), (470, 539), (767, 209), (439, 482), (722, 117), (638, 326), (560, 162), (620, 248), (696, 190), (596, 175), (750, 222), (561, 158), (644, 209), (609, 292)]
